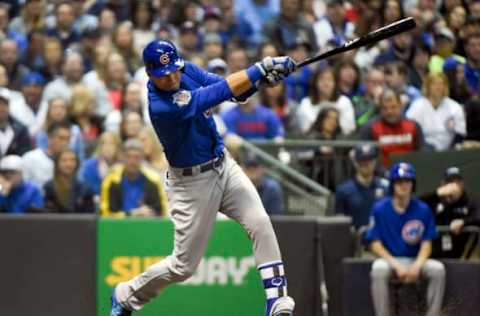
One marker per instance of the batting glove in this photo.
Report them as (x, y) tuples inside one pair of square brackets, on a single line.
[(275, 69)]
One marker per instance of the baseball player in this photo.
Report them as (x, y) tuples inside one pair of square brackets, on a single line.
[(203, 178), (401, 232)]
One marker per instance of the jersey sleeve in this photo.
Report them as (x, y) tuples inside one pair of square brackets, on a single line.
[(205, 78), (373, 232), (186, 104)]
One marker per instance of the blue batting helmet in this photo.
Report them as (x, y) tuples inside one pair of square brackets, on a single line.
[(161, 58), (402, 170)]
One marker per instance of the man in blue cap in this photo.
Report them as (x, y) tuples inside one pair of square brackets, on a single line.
[(203, 177), (356, 196)]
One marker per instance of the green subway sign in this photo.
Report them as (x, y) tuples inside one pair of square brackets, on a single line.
[(226, 281)]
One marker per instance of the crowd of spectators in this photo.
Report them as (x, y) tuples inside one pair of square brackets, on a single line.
[(73, 99)]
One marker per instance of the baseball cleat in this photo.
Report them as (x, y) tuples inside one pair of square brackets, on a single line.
[(282, 306), (117, 309)]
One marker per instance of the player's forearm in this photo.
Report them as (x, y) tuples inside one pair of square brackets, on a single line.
[(382, 252), (242, 81), (424, 253)]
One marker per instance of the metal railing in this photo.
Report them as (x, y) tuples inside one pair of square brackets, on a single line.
[(304, 192)]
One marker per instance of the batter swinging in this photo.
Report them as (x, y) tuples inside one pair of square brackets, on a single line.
[(203, 178)]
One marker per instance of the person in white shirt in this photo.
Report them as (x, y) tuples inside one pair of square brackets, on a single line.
[(322, 92), (32, 110), (441, 118), (39, 164)]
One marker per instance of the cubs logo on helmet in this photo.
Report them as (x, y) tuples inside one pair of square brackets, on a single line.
[(161, 58), (412, 231)]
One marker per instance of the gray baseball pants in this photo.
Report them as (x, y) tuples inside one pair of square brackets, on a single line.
[(380, 276), (194, 202)]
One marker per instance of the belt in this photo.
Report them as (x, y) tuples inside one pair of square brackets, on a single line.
[(205, 167)]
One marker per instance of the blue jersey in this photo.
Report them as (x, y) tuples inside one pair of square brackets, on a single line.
[(354, 199), (21, 199), (182, 118), (262, 123), (401, 234)]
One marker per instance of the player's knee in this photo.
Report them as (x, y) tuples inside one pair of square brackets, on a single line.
[(380, 270), (435, 269), (182, 271)]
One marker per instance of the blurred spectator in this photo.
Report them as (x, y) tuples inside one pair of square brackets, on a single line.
[(32, 16), (107, 21), (474, 8), (391, 11), (444, 47), (131, 124), (17, 195), (212, 19), (284, 29), (63, 29), (297, 82), (472, 113), (347, 77), (270, 190), (323, 90), (142, 18), (396, 75), (237, 59), (113, 78), (189, 40), (441, 118), (33, 110), (123, 41), (472, 67), (401, 49), (96, 79), (275, 98), (419, 70), (322, 162), (14, 137), (32, 56), (236, 27), (81, 113), (7, 32), (256, 13), (212, 46), (366, 104), (456, 18), (394, 133), (65, 193), (401, 232), (94, 169), (131, 101), (153, 150), (10, 59), (453, 206), (356, 196), (38, 165), (72, 72), (333, 29), (90, 39), (251, 120), (132, 189), (457, 83), (57, 113), (52, 55)]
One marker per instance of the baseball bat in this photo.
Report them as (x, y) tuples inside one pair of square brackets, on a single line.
[(382, 33)]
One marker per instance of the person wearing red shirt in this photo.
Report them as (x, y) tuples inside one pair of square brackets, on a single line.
[(395, 133)]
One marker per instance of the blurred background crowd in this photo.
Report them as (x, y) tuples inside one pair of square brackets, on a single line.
[(74, 129)]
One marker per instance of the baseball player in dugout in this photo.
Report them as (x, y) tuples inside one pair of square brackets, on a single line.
[(401, 232), (203, 178)]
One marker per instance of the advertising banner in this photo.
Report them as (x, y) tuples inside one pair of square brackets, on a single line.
[(226, 281)]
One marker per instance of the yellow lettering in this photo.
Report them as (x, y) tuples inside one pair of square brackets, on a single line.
[(121, 271)]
